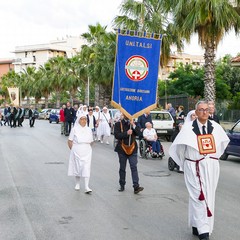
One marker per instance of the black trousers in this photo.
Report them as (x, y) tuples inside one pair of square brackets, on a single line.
[(133, 166), (68, 126), (31, 121)]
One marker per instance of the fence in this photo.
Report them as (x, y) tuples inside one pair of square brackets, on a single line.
[(188, 103)]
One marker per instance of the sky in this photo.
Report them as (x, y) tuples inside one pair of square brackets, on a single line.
[(27, 22)]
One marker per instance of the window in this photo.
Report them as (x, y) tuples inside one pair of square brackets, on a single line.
[(236, 129)]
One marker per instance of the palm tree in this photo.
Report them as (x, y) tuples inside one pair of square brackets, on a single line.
[(10, 79), (211, 20), (93, 55), (57, 72), (27, 82), (149, 16)]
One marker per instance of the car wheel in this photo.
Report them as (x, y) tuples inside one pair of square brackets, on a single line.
[(224, 156), (168, 138), (57, 121), (171, 164), (50, 121)]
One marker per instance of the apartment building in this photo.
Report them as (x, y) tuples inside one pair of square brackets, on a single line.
[(177, 58), (5, 66), (37, 55)]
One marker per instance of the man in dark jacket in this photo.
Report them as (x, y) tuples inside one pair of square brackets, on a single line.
[(69, 118), (212, 115), (31, 116), (142, 120), (126, 131)]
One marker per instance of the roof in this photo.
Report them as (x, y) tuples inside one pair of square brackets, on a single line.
[(236, 59), (6, 61), (235, 62)]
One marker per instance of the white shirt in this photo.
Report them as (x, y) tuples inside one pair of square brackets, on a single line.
[(91, 124), (149, 134)]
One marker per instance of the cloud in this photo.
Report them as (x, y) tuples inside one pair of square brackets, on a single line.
[(30, 22)]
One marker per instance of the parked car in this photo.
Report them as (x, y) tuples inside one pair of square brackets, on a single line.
[(54, 116), (233, 147), (163, 123), (44, 114)]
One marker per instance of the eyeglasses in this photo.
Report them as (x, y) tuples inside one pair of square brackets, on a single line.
[(203, 110)]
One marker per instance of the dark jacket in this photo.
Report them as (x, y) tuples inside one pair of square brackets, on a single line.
[(31, 113), (94, 121), (123, 136), (69, 114), (214, 118), (142, 120)]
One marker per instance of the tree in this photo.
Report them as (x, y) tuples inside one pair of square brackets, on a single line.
[(57, 71), (149, 16), (98, 58), (211, 20), (190, 80)]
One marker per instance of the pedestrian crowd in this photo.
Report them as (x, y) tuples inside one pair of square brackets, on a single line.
[(198, 143), (13, 116), (196, 149)]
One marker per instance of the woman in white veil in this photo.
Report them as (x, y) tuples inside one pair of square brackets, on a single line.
[(191, 116), (79, 142)]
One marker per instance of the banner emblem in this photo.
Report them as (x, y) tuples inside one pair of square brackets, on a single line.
[(136, 68)]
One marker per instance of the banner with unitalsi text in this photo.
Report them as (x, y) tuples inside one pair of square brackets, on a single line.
[(136, 74)]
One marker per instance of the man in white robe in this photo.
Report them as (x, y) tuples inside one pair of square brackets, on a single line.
[(201, 170)]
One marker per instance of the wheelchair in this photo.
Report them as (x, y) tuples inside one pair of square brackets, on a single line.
[(145, 150)]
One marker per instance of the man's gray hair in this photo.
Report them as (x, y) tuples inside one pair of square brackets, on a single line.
[(200, 102)]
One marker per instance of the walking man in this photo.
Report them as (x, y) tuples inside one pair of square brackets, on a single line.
[(31, 116), (126, 131), (69, 118), (196, 149)]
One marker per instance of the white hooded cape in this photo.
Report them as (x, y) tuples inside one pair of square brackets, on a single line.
[(185, 146)]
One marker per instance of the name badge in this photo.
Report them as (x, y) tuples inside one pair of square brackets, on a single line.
[(206, 144)]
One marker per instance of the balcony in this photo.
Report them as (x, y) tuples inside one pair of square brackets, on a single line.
[(28, 60)]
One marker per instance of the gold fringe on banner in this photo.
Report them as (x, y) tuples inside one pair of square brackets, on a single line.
[(139, 33)]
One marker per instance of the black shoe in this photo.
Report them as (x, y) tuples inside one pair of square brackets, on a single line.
[(121, 189), (194, 231), (204, 236), (138, 189)]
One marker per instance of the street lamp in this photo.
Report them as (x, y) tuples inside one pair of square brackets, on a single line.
[(167, 79), (88, 90)]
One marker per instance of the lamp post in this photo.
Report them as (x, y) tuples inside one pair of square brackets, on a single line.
[(88, 90), (166, 91)]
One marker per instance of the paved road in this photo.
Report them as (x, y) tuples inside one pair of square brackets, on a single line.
[(38, 200)]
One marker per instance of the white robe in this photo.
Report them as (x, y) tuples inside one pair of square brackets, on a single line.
[(103, 128), (81, 152), (185, 146)]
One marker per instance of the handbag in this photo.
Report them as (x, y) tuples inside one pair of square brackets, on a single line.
[(128, 149)]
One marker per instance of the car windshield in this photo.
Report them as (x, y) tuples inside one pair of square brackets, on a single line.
[(236, 129), (161, 116), (55, 111)]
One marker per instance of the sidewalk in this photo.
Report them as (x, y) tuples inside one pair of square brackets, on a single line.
[(227, 125)]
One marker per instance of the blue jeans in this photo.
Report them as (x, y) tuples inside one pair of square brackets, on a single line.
[(155, 146)]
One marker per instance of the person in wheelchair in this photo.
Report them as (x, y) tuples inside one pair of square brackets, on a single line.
[(150, 135)]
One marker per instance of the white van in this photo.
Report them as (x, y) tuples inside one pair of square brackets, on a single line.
[(163, 123)]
